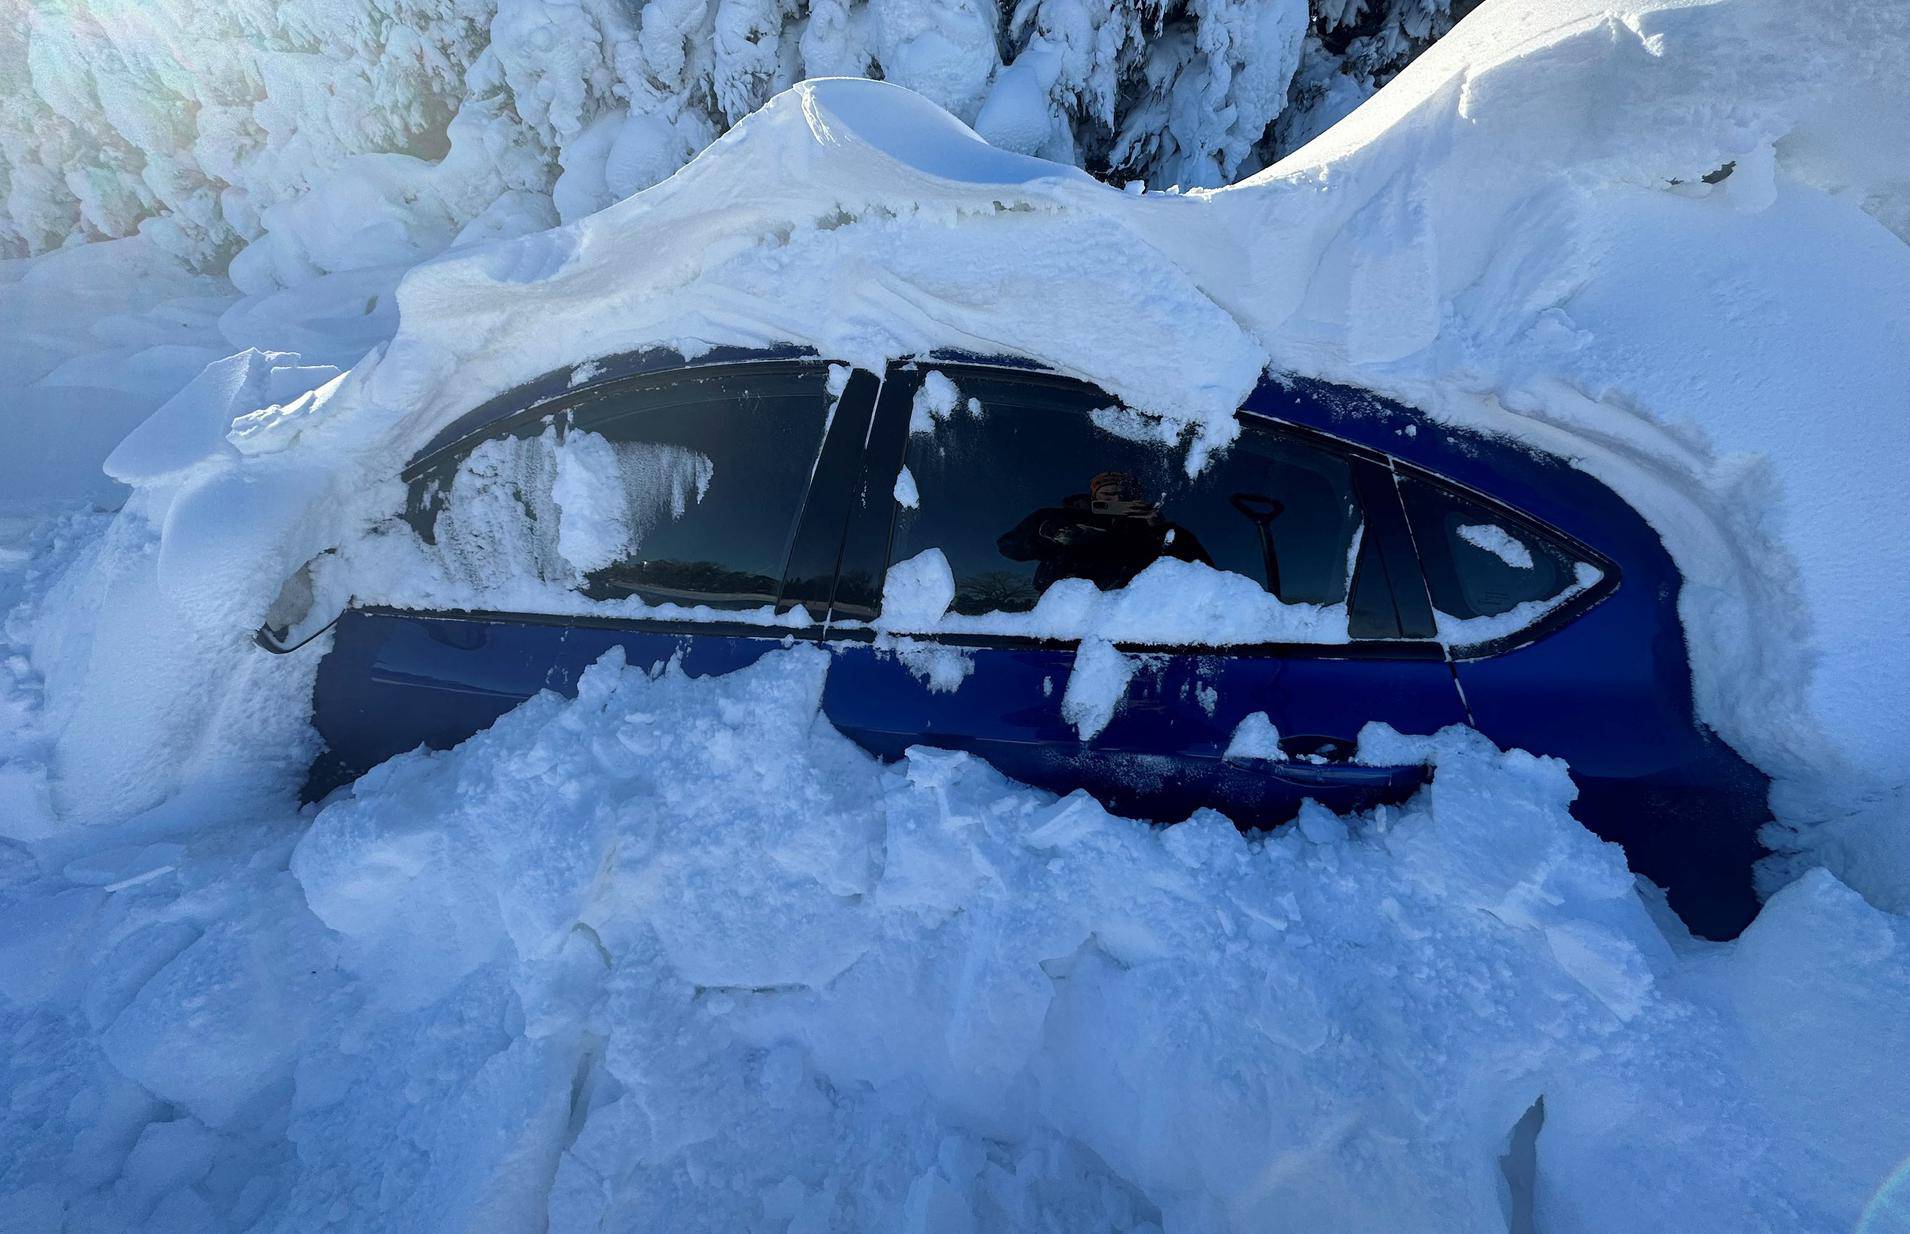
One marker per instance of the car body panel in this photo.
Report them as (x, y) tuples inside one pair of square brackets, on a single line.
[(1162, 754)]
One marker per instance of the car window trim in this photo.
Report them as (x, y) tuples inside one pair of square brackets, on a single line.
[(560, 384), (1384, 519), (567, 401), (817, 536), (869, 525), (1369, 649)]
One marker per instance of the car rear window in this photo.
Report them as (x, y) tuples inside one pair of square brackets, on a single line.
[(1488, 573), (681, 491)]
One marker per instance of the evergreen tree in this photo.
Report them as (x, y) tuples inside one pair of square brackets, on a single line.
[(286, 138)]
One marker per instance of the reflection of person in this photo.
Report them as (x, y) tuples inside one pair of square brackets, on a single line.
[(1106, 535)]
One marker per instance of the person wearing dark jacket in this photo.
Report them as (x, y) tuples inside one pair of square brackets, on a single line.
[(1106, 535)]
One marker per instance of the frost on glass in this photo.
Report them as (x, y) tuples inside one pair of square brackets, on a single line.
[(504, 513), (1494, 539), (534, 508), (612, 494)]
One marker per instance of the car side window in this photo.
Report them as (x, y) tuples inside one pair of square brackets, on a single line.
[(682, 491), (1024, 483), (1488, 575)]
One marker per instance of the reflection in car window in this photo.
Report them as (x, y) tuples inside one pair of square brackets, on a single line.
[(681, 492), (1020, 486), (1487, 576)]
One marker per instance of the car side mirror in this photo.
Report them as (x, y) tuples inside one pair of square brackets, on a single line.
[(304, 609)]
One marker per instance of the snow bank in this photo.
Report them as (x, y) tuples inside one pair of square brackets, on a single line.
[(1517, 234), (677, 954)]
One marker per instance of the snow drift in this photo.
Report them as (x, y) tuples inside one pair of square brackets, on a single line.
[(677, 955)]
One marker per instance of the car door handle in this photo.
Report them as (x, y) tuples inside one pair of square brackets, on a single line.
[(1316, 748), (1317, 761)]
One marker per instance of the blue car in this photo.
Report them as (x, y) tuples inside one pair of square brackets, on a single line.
[(1463, 580)]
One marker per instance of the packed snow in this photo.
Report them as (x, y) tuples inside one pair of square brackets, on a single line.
[(677, 955), (1256, 737)]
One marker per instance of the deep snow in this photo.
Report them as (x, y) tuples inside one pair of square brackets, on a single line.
[(677, 954)]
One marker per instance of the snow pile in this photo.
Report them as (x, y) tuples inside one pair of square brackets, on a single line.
[(1634, 237), (1170, 603), (677, 954), (1518, 234)]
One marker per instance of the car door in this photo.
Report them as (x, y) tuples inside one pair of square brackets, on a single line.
[(1029, 485), (1557, 657), (675, 514)]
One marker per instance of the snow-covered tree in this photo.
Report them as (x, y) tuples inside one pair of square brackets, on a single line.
[(287, 138)]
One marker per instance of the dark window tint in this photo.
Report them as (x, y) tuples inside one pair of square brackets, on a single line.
[(1478, 562), (1039, 487), (680, 491)]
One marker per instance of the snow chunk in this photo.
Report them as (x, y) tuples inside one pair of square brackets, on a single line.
[(212, 1031), (1171, 602), (589, 493), (1255, 737), (190, 427), (1096, 685), (609, 495), (935, 401), (917, 592), (905, 491), (1496, 540)]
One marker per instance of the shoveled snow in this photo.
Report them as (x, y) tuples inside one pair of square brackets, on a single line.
[(676, 954)]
